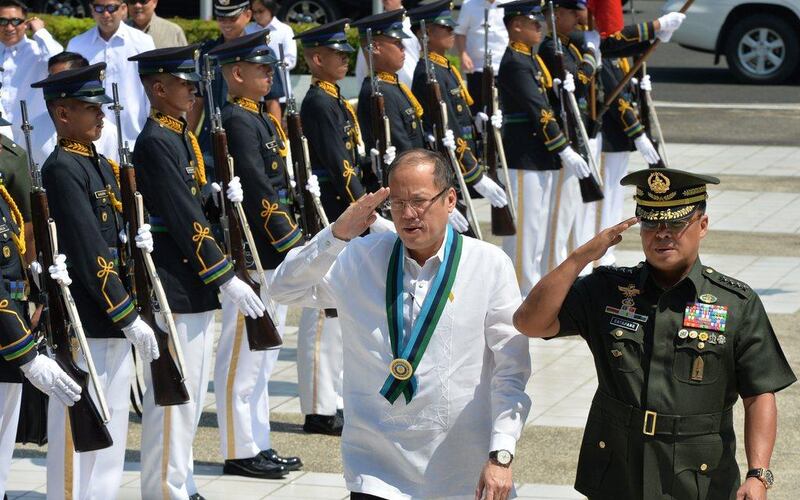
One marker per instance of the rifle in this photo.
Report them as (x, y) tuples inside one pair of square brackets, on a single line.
[(572, 120), (168, 377), (439, 120), (379, 122), (309, 207), (503, 219), (649, 118), (61, 321), (261, 332)]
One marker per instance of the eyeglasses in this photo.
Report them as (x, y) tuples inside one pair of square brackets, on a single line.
[(134, 2), (13, 21), (110, 8), (418, 205), (673, 226)]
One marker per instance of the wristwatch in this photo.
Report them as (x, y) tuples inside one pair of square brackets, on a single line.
[(502, 458), (764, 475)]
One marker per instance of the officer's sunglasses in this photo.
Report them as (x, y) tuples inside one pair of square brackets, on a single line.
[(13, 21), (673, 226), (110, 8)]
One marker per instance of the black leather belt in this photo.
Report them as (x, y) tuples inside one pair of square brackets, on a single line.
[(658, 424)]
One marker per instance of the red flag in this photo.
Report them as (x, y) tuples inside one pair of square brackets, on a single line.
[(607, 16)]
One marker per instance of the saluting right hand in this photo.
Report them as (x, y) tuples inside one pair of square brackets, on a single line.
[(359, 215), (595, 248)]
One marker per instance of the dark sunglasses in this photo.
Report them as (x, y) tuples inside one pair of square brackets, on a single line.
[(110, 8), (14, 21)]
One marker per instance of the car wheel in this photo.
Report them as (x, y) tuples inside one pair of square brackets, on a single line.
[(762, 48), (308, 11)]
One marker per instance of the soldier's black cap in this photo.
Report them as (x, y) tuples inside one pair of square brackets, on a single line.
[(386, 23), (440, 12), (570, 4), (666, 193), (531, 9), (251, 48), (84, 84), (230, 8), (176, 61), (331, 35)]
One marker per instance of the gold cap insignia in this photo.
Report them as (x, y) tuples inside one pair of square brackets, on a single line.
[(658, 182), (102, 75)]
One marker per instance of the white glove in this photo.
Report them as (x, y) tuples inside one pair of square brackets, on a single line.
[(45, 374), (646, 85), (216, 187), (234, 191), (35, 267), (123, 237), (449, 140), (458, 221), (569, 83), (312, 186), (144, 238), (491, 191), (143, 339), (244, 297), (598, 57), (669, 24), (58, 271), (592, 37), (574, 163), (382, 225), (497, 119), (389, 155), (646, 149), (480, 121)]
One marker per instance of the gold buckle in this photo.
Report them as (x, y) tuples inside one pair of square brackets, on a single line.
[(652, 427)]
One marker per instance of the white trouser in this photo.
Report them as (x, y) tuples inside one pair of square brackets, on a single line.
[(92, 474), (241, 377), (615, 166), (586, 221), (565, 200), (10, 398), (533, 191), (168, 431), (319, 363)]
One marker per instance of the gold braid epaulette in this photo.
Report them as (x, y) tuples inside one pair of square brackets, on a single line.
[(16, 215), (521, 48), (333, 91), (246, 104)]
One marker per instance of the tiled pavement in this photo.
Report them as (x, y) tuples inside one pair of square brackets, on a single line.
[(563, 379)]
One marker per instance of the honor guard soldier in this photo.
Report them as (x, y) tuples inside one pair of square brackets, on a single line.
[(84, 199), (401, 107), (258, 146), (536, 148), (18, 354), (675, 344), (15, 177), (439, 25), (170, 173)]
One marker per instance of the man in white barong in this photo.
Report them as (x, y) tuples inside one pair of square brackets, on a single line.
[(434, 371)]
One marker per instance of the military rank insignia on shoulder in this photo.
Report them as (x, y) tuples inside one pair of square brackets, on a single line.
[(728, 283), (620, 270)]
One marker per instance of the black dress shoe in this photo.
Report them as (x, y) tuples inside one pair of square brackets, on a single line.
[(324, 424), (291, 463), (197, 496), (258, 466)]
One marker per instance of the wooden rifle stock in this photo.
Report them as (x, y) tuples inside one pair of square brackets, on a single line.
[(502, 219), (261, 332), (89, 433), (168, 382), (309, 220)]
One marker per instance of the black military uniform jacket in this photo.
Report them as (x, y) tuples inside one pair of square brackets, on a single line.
[(255, 140), (170, 173), (402, 109), (621, 125), (531, 135), (670, 365), (459, 118), (630, 41), (578, 60), (16, 340), (330, 124), (15, 175), (84, 199)]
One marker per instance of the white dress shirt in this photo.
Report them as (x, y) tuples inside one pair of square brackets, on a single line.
[(412, 50), (126, 42), (470, 397), (470, 24), (280, 33), (44, 140), (25, 63)]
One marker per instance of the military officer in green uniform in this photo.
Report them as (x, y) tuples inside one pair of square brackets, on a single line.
[(675, 344)]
